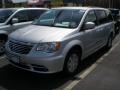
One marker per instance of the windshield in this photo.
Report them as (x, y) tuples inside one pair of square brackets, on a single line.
[(61, 18), (5, 14)]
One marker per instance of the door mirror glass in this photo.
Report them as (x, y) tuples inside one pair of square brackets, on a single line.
[(89, 25), (15, 20)]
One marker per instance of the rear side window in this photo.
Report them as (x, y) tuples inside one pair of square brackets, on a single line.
[(101, 16), (109, 16)]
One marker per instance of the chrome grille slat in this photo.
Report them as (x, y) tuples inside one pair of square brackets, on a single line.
[(20, 48)]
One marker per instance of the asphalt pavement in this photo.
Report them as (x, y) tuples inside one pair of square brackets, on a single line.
[(106, 76)]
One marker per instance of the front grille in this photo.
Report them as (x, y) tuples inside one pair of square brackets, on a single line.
[(20, 48)]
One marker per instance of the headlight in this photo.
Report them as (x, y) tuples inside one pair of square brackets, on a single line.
[(48, 47)]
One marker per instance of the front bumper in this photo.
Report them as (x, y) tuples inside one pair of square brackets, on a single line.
[(36, 62)]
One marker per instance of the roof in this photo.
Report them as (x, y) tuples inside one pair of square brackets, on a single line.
[(8, 8), (23, 8), (34, 8), (84, 8)]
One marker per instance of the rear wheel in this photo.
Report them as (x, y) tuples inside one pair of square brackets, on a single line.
[(109, 42), (3, 39), (2, 46), (72, 62)]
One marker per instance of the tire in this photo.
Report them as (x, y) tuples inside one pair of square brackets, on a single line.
[(109, 42), (3, 39), (72, 62), (2, 46)]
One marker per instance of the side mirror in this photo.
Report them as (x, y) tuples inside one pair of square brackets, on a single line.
[(89, 25), (14, 20)]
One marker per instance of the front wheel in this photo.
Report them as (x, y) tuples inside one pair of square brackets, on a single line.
[(72, 62)]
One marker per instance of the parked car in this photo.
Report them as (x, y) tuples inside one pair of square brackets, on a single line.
[(116, 17), (60, 39), (15, 18)]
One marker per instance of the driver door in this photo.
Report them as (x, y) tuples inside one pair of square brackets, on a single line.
[(23, 20), (89, 37)]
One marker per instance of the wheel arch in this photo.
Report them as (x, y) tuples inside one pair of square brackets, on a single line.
[(76, 44), (72, 47)]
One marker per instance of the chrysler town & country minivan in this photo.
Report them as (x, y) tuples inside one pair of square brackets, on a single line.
[(60, 39)]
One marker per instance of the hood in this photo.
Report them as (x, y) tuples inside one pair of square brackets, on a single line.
[(36, 34), (2, 24)]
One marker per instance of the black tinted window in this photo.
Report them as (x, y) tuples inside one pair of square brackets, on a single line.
[(22, 16), (5, 14), (109, 16), (101, 16)]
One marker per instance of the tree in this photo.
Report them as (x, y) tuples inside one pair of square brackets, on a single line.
[(56, 3), (104, 3)]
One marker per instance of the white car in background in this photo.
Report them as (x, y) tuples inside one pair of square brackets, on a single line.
[(12, 19)]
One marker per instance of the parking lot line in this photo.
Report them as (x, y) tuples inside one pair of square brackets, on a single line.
[(2, 88), (89, 69)]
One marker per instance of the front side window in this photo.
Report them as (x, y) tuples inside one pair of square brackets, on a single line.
[(61, 18), (5, 14), (91, 17), (22, 16)]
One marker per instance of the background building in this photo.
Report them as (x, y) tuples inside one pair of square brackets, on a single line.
[(98, 3), (39, 3), (49, 3), (104, 3), (74, 2), (7, 3)]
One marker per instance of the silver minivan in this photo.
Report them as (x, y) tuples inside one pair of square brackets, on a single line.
[(60, 39), (15, 18)]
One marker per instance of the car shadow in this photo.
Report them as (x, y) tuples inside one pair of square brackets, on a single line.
[(92, 58), (12, 78)]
